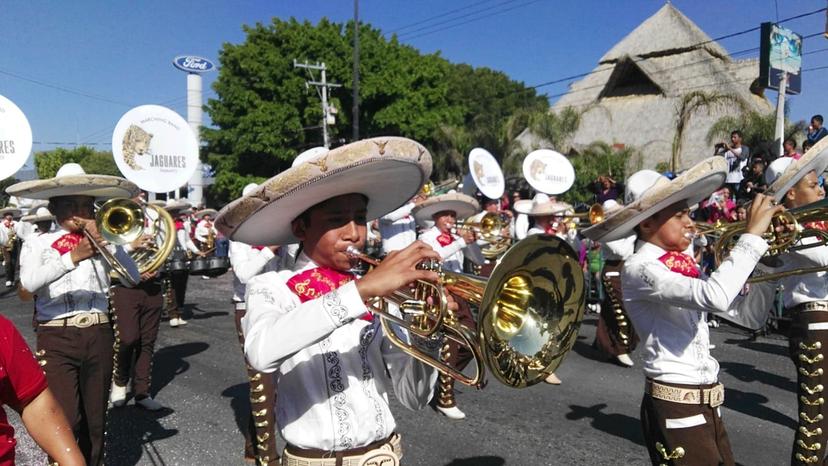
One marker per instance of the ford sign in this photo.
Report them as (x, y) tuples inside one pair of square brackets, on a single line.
[(193, 64)]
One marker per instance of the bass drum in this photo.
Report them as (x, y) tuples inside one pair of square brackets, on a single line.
[(210, 266)]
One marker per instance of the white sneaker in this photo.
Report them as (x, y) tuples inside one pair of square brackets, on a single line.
[(711, 346), (149, 404), (625, 360), (8, 283), (452, 413), (174, 322), (117, 396), (552, 379), (205, 277), (181, 321)]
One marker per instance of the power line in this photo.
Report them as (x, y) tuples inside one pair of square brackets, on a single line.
[(63, 89), (471, 20), (447, 13), (460, 17)]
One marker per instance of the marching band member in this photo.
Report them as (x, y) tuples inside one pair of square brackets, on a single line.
[(248, 262), (71, 284), (137, 313), (398, 229), (205, 231), (794, 182), (42, 219), (615, 335), (310, 325), (546, 214), (667, 300), (11, 235), (444, 210), (176, 288)]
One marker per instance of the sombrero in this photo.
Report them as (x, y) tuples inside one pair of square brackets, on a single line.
[(649, 192), (177, 206), (388, 171), (309, 155), (72, 180), (611, 206), (158, 203), (201, 213), (14, 211), (249, 188), (540, 205), (42, 214), (463, 206), (783, 173)]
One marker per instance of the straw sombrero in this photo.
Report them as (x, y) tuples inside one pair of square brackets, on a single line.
[(177, 206), (42, 214), (388, 171), (783, 173), (649, 192), (249, 188), (201, 213), (309, 155), (611, 206), (72, 180), (541, 205), (463, 206), (14, 211)]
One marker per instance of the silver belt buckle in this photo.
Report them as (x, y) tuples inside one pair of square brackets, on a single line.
[(84, 320), (379, 457)]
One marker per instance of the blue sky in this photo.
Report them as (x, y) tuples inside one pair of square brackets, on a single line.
[(75, 67)]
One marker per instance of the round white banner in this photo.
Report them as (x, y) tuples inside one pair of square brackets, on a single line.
[(486, 173), (15, 138), (155, 148), (548, 171)]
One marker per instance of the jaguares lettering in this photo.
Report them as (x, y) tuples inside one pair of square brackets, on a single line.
[(6, 146), (168, 161)]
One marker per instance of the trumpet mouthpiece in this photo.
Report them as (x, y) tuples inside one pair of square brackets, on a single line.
[(352, 251)]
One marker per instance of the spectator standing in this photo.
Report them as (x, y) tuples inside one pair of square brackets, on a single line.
[(736, 157), (816, 131), (789, 146), (754, 180), (607, 189)]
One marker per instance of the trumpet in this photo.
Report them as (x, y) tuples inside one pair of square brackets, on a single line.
[(785, 234), (594, 215), (530, 310), (119, 221), (430, 189), (489, 229)]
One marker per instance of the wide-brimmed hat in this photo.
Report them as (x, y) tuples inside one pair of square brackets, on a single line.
[(72, 180), (462, 205), (309, 155), (783, 173), (649, 192), (249, 188), (201, 213), (541, 205), (14, 211), (177, 206), (42, 214), (158, 203), (388, 171), (611, 206)]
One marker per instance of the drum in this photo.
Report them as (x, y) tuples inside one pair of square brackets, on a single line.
[(175, 265), (210, 266)]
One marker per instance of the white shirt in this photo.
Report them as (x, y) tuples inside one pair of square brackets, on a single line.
[(452, 254), (620, 249), (668, 309), (521, 226), (202, 231), (804, 288), (732, 157), (184, 242), (398, 229), (19, 229), (247, 262), (62, 288), (330, 365)]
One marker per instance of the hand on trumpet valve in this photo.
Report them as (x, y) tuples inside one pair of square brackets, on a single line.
[(398, 270), (142, 242), (761, 213)]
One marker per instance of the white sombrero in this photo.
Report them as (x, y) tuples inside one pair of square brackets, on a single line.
[(388, 171), (783, 173), (611, 206), (249, 188), (201, 213), (158, 203), (462, 205), (177, 206), (541, 205), (309, 155), (14, 211), (72, 180), (649, 192), (42, 214)]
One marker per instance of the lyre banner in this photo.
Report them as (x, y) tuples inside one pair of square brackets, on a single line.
[(155, 148), (486, 173), (548, 172), (15, 138)]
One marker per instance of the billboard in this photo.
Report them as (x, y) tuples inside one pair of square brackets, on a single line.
[(780, 51)]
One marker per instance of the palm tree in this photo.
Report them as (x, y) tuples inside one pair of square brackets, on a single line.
[(530, 130), (451, 144), (757, 129), (696, 101)]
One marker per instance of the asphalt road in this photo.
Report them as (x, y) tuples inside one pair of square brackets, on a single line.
[(591, 419)]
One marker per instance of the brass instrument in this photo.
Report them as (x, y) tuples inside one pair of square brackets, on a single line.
[(594, 215), (119, 221), (786, 229), (12, 238), (161, 228), (530, 310), (489, 229), (431, 189)]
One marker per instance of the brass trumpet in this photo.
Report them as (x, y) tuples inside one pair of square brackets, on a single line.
[(594, 215), (431, 189), (530, 310), (119, 221), (489, 229)]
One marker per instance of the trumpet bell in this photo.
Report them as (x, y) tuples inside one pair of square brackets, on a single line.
[(120, 220), (531, 310)]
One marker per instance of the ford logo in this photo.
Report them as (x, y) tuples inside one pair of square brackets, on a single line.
[(193, 64)]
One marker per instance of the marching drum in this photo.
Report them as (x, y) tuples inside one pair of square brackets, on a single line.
[(175, 265), (210, 266)]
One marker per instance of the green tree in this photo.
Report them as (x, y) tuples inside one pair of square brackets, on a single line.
[(757, 129), (47, 163), (697, 101), (599, 158), (527, 130)]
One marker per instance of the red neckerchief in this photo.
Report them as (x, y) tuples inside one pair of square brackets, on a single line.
[(179, 225), (319, 281), (8, 223), (67, 242), (550, 230), (258, 248), (445, 239), (820, 225), (680, 262)]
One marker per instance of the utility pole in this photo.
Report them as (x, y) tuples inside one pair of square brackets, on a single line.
[(356, 71), (322, 88)]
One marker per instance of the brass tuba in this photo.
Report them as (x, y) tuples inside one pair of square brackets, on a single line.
[(160, 226), (530, 310)]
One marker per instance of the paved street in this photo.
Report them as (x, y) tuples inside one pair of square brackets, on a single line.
[(592, 419)]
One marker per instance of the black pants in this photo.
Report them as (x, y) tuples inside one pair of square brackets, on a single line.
[(615, 334), (10, 259), (177, 290), (78, 367), (138, 314)]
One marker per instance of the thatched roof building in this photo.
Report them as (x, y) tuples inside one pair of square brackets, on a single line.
[(632, 97)]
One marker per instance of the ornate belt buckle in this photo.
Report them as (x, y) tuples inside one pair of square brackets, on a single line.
[(84, 321), (379, 457), (716, 396)]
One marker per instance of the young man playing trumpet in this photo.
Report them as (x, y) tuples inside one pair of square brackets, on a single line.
[(70, 281), (795, 184), (310, 325), (444, 210), (667, 301)]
